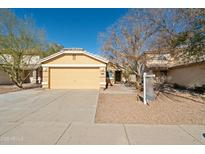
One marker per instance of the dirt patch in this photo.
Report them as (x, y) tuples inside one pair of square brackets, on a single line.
[(167, 109), (13, 88), (6, 89)]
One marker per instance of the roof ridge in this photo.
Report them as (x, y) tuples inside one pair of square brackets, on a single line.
[(74, 49)]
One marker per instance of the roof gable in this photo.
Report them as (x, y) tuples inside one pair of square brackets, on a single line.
[(74, 51)]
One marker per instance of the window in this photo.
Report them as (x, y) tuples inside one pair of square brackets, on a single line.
[(74, 56)]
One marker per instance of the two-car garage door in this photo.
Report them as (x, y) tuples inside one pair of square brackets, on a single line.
[(74, 78)]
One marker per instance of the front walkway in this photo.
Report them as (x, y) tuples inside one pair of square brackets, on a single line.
[(67, 117), (119, 89)]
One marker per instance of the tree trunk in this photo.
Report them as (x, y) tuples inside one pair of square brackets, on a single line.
[(138, 83), (20, 85), (17, 83)]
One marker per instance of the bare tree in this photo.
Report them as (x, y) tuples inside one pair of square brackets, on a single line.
[(51, 49), (180, 31), (126, 41), (20, 44)]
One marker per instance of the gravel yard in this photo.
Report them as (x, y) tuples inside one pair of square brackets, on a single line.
[(167, 109)]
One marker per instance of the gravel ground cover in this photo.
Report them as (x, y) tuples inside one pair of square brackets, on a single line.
[(114, 107)]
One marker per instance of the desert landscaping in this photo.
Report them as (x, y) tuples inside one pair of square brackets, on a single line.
[(116, 106)]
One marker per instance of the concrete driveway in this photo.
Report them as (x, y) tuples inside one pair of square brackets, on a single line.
[(40, 116)]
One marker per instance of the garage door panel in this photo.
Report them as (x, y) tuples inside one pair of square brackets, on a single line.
[(74, 78)]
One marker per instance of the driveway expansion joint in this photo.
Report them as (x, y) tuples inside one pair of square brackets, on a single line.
[(18, 124), (67, 128), (189, 134), (126, 134)]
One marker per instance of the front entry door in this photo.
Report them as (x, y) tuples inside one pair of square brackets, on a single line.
[(117, 76)]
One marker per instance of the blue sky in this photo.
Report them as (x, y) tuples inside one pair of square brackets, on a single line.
[(74, 27)]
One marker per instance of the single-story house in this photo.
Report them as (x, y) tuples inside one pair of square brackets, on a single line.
[(32, 72), (73, 68), (30, 75)]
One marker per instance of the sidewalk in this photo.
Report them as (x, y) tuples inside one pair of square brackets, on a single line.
[(81, 133)]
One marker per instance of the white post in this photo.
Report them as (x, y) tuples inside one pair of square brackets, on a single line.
[(144, 81), (144, 85)]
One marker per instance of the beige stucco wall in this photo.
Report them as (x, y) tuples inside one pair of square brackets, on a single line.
[(4, 78), (45, 78), (102, 76), (68, 59), (189, 76)]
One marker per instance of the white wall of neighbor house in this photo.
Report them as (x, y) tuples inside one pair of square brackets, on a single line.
[(188, 76), (34, 77), (4, 78)]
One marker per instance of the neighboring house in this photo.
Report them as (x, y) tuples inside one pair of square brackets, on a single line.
[(157, 63), (74, 68), (32, 72), (189, 73)]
